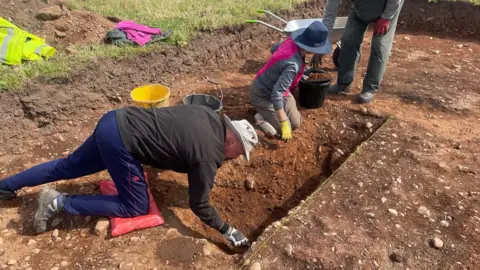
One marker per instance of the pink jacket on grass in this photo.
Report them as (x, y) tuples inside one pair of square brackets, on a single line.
[(138, 33)]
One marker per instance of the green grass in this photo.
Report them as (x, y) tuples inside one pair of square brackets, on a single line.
[(13, 78), (184, 17)]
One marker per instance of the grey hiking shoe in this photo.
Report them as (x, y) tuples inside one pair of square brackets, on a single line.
[(50, 202), (337, 89), (366, 97)]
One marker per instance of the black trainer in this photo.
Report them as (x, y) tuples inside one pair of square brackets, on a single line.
[(5, 193)]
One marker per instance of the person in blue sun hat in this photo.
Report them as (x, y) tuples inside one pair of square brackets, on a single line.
[(270, 92)]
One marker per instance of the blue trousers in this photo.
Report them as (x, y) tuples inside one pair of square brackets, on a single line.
[(104, 149)]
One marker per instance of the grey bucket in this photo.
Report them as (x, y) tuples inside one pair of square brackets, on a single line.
[(205, 100)]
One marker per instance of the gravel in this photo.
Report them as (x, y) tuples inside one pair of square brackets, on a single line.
[(393, 211), (437, 243)]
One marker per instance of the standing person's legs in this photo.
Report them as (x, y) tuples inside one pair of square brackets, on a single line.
[(350, 53), (126, 172), (377, 64)]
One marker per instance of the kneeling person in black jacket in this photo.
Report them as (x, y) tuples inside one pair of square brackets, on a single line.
[(188, 139)]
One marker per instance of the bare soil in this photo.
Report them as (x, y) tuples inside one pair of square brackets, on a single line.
[(80, 27), (319, 77), (430, 86)]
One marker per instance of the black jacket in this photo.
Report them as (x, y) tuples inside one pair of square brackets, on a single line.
[(186, 139)]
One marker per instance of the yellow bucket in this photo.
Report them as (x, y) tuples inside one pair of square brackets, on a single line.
[(152, 95)]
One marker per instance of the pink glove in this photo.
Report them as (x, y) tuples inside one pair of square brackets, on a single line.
[(381, 26)]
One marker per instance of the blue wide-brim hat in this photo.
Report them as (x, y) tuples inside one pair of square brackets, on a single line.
[(313, 39)]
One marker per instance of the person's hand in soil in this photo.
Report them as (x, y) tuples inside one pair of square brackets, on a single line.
[(286, 130), (381, 26), (234, 236)]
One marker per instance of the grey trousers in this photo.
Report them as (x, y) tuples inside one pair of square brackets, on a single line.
[(264, 106), (350, 53)]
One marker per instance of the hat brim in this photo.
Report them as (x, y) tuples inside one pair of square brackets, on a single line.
[(297, 37), (237, 133)]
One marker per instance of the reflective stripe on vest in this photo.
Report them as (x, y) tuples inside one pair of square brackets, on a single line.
[(4, 46), (39, 49)]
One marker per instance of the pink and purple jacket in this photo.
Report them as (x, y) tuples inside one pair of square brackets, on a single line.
[(138, 33), (281, 73)]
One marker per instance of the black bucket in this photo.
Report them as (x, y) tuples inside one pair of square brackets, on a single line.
[(312, 94), (205, 100)]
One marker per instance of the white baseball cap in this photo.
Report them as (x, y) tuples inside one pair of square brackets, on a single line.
[(245, 133)]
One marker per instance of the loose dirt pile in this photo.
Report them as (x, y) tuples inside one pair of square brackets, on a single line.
[(319, 77), (77, 27)]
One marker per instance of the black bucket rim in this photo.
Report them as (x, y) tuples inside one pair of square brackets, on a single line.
[(316, 70), (220, 102)]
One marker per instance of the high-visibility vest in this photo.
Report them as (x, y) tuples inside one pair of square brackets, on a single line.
[(17, 45)]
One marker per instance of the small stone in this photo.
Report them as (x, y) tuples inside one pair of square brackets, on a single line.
[(360, 184), (406, 38), (71, 50), (66, 153), (12, 262), (364, 110), (50, 13), (444, 223), (55, 268), (31, 242), (255, 266), (64, 263), (57, 240), (134, 239), (393, 211), (376, 264), (277, 224), (394, 135), (397, 226), (56, 222), (289, 249), (437, 243), (422, 210), (370, 215), (68, 237), (60, 34), (436, 52), (55, 233), (369, 125), (396, 257), (15, 220), (101, 226), (207, 250), (35, 251), (438, 231), (384, 199), (249, 183)]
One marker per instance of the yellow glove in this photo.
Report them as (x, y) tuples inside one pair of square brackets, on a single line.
[(286, 130)]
